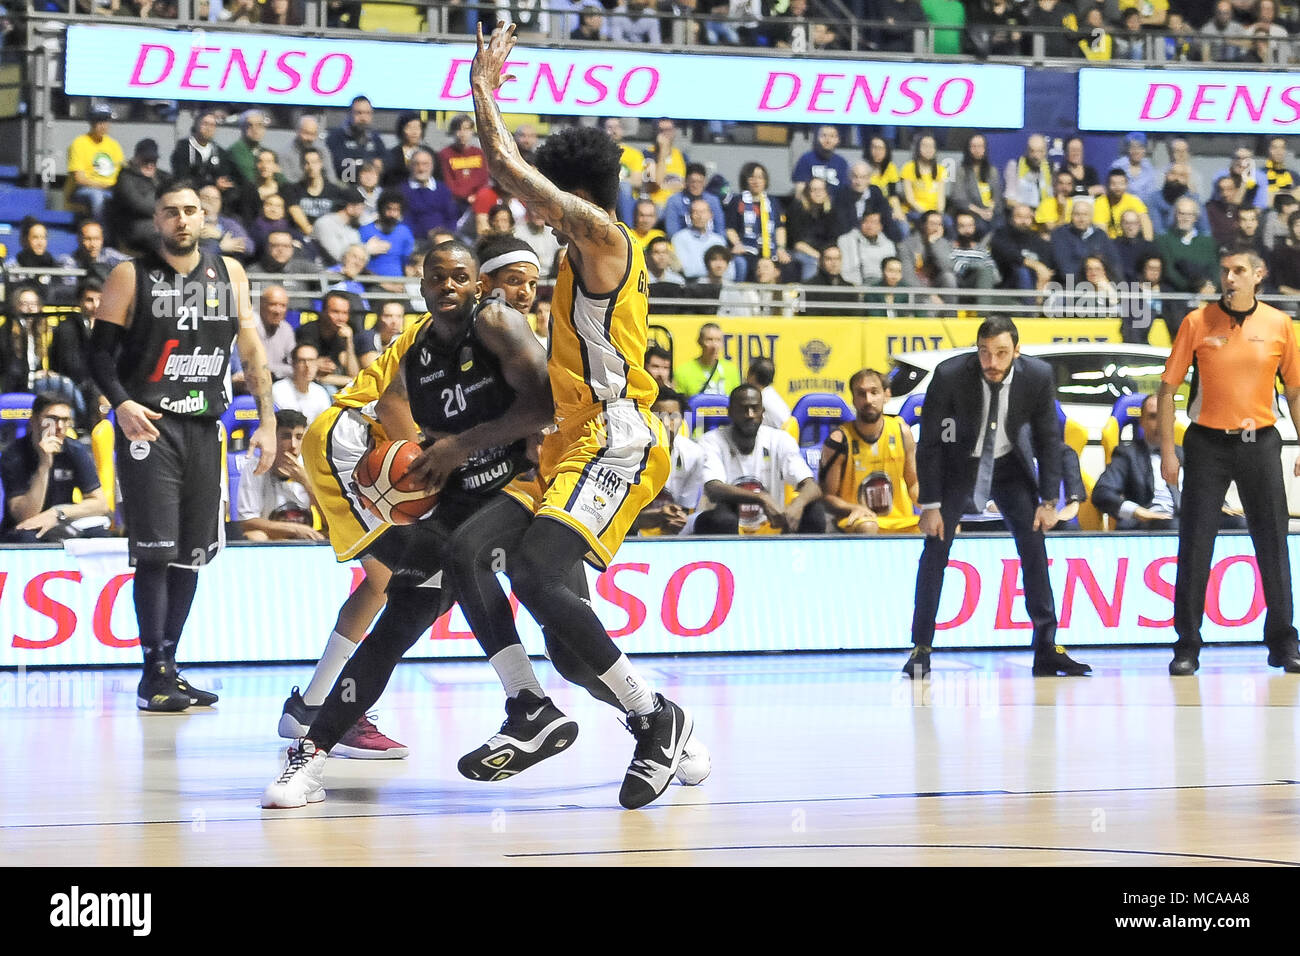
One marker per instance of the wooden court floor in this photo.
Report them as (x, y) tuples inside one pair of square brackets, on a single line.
[(818, 760)]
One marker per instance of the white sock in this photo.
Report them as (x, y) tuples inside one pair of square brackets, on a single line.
[(515, 670), (337, 653), (635, 695)]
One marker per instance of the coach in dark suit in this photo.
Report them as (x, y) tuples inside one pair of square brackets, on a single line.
[(987, 417), (1128, 489)]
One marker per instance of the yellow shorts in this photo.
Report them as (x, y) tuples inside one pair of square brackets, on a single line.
[(331, 449), (599, 474)]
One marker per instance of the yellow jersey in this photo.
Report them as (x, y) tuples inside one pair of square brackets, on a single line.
[(873, 476), (596, 350), (1104, 214), (372, 380)]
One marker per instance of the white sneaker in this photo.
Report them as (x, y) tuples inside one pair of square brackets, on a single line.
[(301, 783), (696, 764)]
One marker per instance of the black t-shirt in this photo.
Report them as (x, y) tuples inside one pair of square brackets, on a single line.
[(309, 333), (313, 207), (73, 468)]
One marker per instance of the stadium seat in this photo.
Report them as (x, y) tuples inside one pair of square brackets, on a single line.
[(59, 217), (816, 414), (391, 18), (1090, 519), (9, 174), (1075, 435), (62, 242), (911, 410), (233, 461), (1126, 411), (240, 420), (15, 413), (706, 412), (18, 202), (102, 442)]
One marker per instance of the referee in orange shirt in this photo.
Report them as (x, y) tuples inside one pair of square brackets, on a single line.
[(1239, 346)]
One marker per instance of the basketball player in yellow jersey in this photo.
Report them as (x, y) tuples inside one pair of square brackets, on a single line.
[(608, 457), (868, 470)]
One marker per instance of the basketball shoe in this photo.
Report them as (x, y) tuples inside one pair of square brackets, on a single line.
[(534, 729), (159, 691), (301, 782), (198, 698), (660, 737), (363, 741), (297, 717)]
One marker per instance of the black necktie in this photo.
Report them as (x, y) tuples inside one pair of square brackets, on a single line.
[(984, 477)]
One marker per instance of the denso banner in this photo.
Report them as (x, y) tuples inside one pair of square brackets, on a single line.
[(274, 603), (1188, 101), (401, 74)]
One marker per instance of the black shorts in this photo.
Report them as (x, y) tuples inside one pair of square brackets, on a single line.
[(422, 559), (173, 489), (389, 547)]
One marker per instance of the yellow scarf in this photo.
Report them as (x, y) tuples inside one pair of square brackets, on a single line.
[(1023, 172)]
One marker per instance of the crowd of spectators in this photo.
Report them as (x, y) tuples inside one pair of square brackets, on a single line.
[(1228, 31), (338, 220), (336, 224)]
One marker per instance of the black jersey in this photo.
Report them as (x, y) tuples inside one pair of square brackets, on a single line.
[(176, 353), (453, 387)]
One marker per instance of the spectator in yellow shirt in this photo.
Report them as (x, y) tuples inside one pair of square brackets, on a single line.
[(1095, 43), (94, 160), (665, 165), (924, 181), (1054, 211), (1117, 200), (631, 168)]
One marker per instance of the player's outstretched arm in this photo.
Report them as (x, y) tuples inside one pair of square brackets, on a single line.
[(523, 364), (600, 244), (257, 373)]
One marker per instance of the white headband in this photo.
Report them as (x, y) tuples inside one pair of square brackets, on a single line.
[(509, 259)]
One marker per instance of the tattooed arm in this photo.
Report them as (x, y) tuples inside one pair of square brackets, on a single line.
[(598, 249), (257, 373)]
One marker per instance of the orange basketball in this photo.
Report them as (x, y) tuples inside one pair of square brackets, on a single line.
[(383, 484)]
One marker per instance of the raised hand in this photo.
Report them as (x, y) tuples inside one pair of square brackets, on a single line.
[(485, 72)]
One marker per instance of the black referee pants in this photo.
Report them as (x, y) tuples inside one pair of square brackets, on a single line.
[(1211, 461)]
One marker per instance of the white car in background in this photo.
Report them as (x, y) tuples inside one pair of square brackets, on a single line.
[(1090, 377)]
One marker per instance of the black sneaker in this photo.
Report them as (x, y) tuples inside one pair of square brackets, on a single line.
[(918, 663), (660, 738), (534, 730), (297, 717), (159, 690), (198, 698)]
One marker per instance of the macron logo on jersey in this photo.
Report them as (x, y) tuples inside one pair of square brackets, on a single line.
[(192, 364)]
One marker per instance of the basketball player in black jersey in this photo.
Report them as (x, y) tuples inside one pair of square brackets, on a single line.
[(160, 351), (477, 375), (487, 356)]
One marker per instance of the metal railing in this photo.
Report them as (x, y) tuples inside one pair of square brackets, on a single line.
[(790, 300)]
